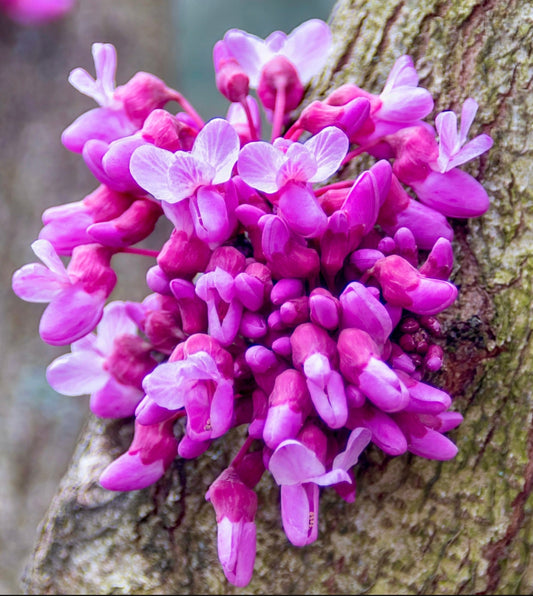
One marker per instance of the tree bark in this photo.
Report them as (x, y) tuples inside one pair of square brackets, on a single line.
[(417, 526)]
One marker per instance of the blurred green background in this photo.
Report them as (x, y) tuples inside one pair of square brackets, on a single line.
[(172, 39)]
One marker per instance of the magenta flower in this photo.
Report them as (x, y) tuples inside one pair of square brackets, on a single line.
[(235, 506), (401, 103), (453, 193), (122, 110), (361, 364), (298, 466), (453, 148), (405, 286), (153, 449), (67, 226), (110, 365), (288, 168), (198, 377), (314, 352), (289, 404), (108, 122), (174, 177), (361, 309), (306, 49), (76, 295)]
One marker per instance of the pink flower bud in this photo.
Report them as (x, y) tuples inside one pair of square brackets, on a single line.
[(289, 405), (324, 308), (280, 76), (361, 365), (235, 506), (150, 454), (231, 80), (405, 286), (132, 226), (142, 94)]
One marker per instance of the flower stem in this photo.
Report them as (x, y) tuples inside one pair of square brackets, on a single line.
[(146, 252), (251, 125), (242, 451), (187, 107), (279, 112)]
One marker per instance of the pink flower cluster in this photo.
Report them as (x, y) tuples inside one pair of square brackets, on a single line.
[(303, 308)]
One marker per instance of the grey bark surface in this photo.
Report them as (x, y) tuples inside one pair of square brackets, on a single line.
[(417, 526)]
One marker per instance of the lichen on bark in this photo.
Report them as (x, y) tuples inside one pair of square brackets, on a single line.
[(417, 526)]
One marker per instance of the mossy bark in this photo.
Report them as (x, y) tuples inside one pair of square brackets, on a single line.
[(417, 526)]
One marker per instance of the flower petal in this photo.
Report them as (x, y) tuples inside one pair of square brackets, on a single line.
[(250, 51), (115, 322), (71, 314), (258, 165), (329, 147), (307, 47), (162, 387), (115, 400), (293, 463), (77, 373), (149, 166), (36, 283), (128, 472), (218, 145)]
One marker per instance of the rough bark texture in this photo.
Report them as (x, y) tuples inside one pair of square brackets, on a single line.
[(417, 526)]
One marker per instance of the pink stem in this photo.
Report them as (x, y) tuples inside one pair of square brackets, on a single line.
[(187, 107), (242, 451), (279, 112), (251, 125), (146, 252), (340, 184)]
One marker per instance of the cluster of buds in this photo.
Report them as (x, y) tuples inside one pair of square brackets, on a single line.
[(303, 308)]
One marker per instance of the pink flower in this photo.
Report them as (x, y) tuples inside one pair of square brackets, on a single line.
[(361, 309), (122, 110), (306, 48), (288, 168), (360, 363), (298, 466), (403, 285), (174, 177), (401, 103), (289, 404), (453, 148), (76, 294), (67, 226), (153, 449), (110, 365), (314, 352), (235, 506), (199, 378), (453, 193)]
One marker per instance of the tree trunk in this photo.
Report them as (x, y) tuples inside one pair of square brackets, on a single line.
[(417, 526)]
